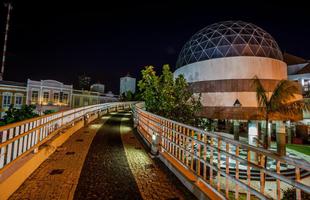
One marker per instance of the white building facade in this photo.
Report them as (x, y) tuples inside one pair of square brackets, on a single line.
[(127, 83), (49, 95)]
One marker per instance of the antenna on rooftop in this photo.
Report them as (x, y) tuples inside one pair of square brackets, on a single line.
[(10, 7)]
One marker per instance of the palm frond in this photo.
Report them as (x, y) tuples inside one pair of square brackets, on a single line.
[(261, 95), (291, 109), (284, 91)]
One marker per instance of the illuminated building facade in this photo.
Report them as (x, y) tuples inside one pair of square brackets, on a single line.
[(127, 83), (49, 95), (12, 93)]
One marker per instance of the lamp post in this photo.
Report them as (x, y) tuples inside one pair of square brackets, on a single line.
[(236, 105)]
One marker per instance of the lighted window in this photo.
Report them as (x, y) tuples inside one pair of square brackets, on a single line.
[(34, 96), (18, 100), (45, 96), (65, 98), (56, 97), (7, 99)]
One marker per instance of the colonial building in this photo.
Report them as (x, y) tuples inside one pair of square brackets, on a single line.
[(12, 93), (49, 95), (127, 83)]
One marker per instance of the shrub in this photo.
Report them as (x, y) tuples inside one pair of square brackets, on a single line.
[(290, 193)]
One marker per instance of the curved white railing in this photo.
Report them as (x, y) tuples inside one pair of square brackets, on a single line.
[(209, 156), (21, 138)]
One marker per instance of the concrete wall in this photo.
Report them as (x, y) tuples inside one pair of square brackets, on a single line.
[(241, 67), (224, 71)]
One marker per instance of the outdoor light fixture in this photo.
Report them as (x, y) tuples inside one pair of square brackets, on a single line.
[(153, 137), (237, 103)]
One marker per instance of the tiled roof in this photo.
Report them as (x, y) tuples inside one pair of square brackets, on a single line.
[(293, 60)]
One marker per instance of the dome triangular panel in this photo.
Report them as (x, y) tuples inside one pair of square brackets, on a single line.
[(227, 39)]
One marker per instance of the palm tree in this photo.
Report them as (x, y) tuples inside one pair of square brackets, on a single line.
[(281, 104)]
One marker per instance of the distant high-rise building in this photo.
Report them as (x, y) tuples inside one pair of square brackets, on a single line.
[(84, 82), (127, 83)]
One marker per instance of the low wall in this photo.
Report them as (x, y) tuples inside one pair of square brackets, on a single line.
[(13, 178)]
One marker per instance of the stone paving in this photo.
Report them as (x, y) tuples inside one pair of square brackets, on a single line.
[(57, 177), (154, 180), (103, 162), (106, 173)]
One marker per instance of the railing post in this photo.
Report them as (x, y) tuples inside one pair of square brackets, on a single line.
[(86, 116), (155, 144)]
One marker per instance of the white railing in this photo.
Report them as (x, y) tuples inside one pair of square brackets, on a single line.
[(21, 138), (227, 166)]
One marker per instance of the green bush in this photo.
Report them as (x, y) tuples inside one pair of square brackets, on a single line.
[(290, 193), (14, 115), (46, 112)]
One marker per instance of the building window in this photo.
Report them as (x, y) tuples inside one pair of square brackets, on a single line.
[(7, 98), (56, 97), (18, 100), (45, 96), (65, 98), (34, 96)]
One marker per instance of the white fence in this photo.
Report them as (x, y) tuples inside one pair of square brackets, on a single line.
[(209, 156), (21, 138)]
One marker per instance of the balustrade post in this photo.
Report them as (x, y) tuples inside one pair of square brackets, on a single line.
[(155, 144)]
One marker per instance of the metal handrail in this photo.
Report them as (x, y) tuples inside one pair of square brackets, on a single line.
[(184, 134), (21, 138)]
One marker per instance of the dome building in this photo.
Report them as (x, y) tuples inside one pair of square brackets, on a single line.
[(220, 61)]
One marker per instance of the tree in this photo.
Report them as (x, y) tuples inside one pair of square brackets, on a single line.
[(280, 103), (168, 96), (128, 96), (149, 88), (15, 115)]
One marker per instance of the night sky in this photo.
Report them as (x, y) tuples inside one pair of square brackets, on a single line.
[(57, 40)]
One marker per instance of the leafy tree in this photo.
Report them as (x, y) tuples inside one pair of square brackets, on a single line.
[(278, 104), (149, 88), (128, 96), (15, 115), (168, 96)]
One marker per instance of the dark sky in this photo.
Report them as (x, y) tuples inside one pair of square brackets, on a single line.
[(57, 40)]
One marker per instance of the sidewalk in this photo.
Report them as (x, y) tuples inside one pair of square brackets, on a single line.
[(58, 176)]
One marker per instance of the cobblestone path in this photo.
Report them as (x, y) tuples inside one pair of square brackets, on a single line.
[(106, 173), (57, 177), (154, 179), (103, 161)]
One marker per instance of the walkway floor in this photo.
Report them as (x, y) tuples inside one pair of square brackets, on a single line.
[(116, 166)]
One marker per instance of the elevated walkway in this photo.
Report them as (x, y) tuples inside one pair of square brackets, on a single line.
[(103, 160)]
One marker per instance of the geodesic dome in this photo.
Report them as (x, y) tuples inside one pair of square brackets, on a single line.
[(228, 39)]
